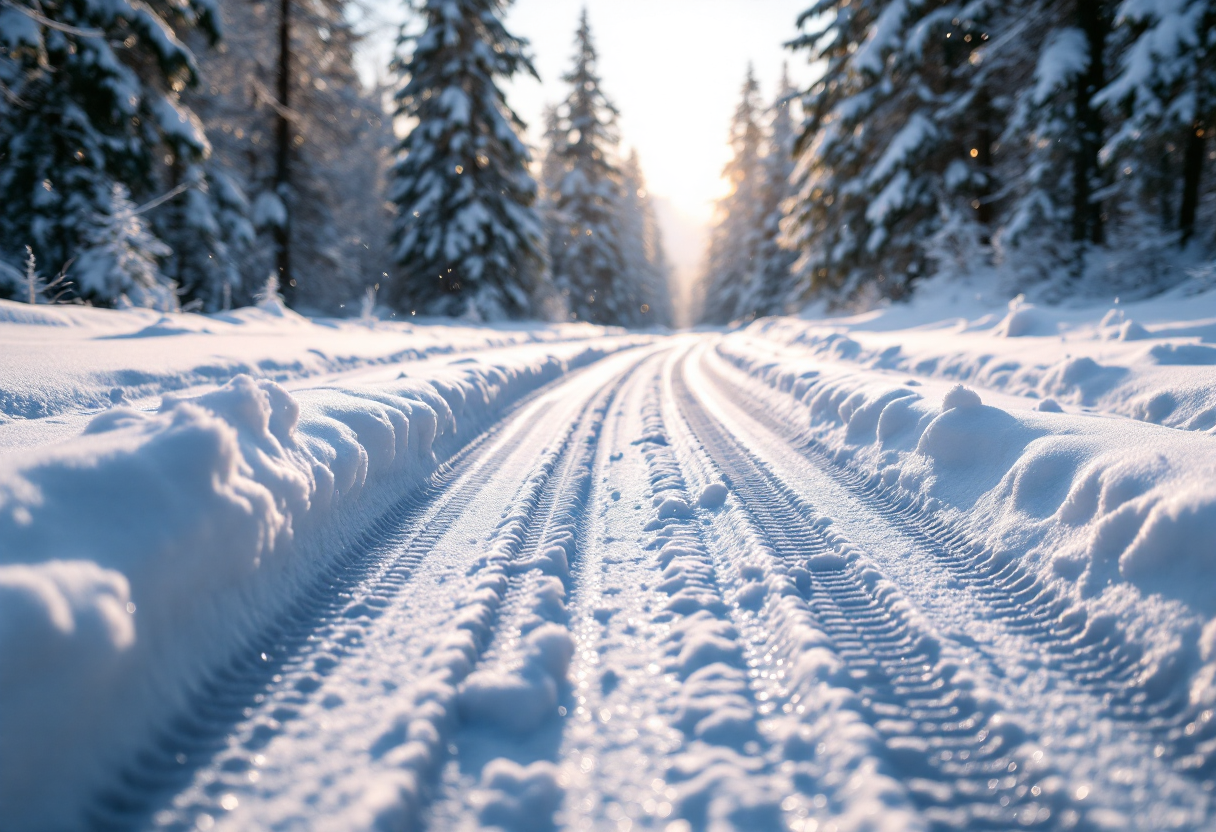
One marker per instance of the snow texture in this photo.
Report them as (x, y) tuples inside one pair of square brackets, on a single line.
[(751, 580), (228, 501)]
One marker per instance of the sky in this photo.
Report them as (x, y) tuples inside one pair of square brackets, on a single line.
[(674, 69)]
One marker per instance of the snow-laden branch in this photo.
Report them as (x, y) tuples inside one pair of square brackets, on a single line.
[(52, 24)]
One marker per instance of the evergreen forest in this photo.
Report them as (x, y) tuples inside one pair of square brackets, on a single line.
[(197, 155)]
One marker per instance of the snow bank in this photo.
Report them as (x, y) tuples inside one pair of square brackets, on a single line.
[(1151, 360), (1117, 515), (140, 556), (64, 359)]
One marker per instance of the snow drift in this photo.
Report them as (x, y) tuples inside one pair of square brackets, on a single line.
[(142, 554)]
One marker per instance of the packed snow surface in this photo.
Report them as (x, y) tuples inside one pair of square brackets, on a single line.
[(934, 567)]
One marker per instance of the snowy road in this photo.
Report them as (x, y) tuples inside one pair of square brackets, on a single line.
[(647, 599)]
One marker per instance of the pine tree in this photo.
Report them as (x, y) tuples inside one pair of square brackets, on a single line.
[(773, 281), (120, 258), (552, 163), (646, 266), (1039, 141), (209, 232), (1055, 132), (585, 253), (552, 171), (468, 240), (1164, 96), (828, 221), (338, 156), (735, 239), (896, 142), (91, 110)]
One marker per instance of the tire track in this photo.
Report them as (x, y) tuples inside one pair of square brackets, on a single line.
[(508, 674), (1099, 660), (726, 774), (302, 645), (510, 701), (243, 707), (695, 643), (965, 764), (616, 733)]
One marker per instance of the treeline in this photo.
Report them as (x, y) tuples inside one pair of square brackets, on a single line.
[(181, 153), (748, 262), (474, 235), (1054, 145)]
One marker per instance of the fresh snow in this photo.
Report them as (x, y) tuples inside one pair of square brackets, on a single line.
[(60, 365), (944, 565)]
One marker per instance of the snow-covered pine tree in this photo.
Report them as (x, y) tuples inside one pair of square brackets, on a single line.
[(120, 256), (91, 103), (552, 163), (646, 265), (896, 142), (827, 220), (467, 237), (1054, 134), (775, 256), (552, 169), (585, 254), (209, 232), (735, 240), (1048, 139), (338, 156), (1164, 98)]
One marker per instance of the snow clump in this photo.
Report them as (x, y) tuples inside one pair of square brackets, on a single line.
[(519, 702), (960, 397), (712, 496), (518, 798)]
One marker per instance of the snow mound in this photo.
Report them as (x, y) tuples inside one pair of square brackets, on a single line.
[(23, 313), (521, 701), (1080, 378), (1134, 352), (1023, 320), (673, 507), (1183, 354), (1132, 331), (1174, 550), (1117, 515)]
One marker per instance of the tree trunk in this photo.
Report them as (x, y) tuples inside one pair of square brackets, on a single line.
[(1093, 19), (282, 234), (1192, 170), (983, 145)]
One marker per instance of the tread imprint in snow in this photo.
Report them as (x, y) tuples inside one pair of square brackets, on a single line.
[(958, 755), (265, 685), (721, 777), (528, 558), (1098, 660)]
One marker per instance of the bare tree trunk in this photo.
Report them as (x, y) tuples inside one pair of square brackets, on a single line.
[(1192, 170), (282, 234), (984, 141), (1093, 18)]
